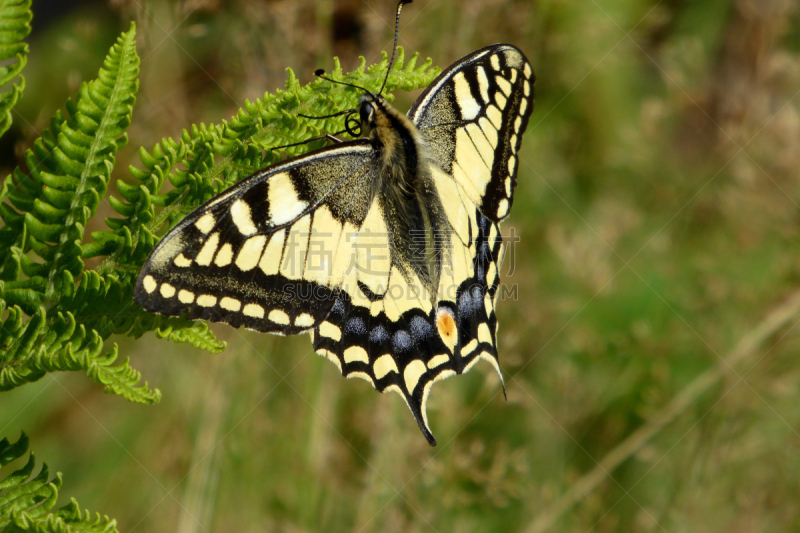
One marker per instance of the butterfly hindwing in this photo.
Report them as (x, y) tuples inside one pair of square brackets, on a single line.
[(474, 115), (399, 341), (268, 254)]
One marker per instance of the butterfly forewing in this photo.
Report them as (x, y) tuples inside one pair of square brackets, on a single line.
[(268, 254), (473, 117)]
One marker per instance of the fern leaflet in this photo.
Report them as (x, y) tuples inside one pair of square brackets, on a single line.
[(26, 504), (15, 25)]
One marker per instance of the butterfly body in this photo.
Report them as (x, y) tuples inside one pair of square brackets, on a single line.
[(385, 249)]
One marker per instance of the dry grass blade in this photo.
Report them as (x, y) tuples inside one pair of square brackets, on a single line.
[(746, 346)]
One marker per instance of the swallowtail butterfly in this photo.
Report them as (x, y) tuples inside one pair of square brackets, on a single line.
[(384, 248)]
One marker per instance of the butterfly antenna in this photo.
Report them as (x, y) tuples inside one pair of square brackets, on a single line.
[(394, 47), (340, 113), (320, 73)]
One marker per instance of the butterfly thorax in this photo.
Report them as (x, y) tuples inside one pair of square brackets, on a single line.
[(411, 206), (394, 136)]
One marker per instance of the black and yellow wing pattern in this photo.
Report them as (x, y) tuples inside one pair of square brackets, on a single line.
[(384, 248)]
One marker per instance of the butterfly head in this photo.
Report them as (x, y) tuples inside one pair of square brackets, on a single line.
[(368, 111)]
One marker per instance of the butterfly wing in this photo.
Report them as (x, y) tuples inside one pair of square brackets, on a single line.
[(471, 119), (270, 253), (473, 116)]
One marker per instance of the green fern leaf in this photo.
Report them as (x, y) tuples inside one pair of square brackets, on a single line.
[(46, 212), (60, 343), (15, 25), (27, 504), (69, 169)]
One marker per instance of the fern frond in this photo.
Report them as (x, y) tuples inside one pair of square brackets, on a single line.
[(69, 169), (27, 504), (47, 210), (15, 25), (60, 343)]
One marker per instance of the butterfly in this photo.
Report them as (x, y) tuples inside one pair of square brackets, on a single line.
[(384, 248)]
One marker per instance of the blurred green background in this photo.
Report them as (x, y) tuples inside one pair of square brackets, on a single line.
[(651, 385)]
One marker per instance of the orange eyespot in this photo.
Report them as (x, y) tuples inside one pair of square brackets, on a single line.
[(446, 326)]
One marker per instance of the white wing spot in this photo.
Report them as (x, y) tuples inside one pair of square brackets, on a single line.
[(253, 310), (526, 88), (250, 253), (523, 106), (495, 116), (503, 83), (517, 124), (361, 375), (332, 331), (207, 251), (270, 262), (511, 162), (508, 185), (356, 353), (185, 297), (502, 208), (205, 223), (206, 300), (167, 290), (491, 275), (242, 217), (495, 62), (279, 317), (483, 84), (513, 76), (384, 365), (284, 204), (487, 304), (484, 335), (224, 256), (466, 102), (182, 261), (469, 348), (527, 70), (412, 373), (149, 284), (424, 404), (230, 304), (438, 360), (500, 99), (304, 320)]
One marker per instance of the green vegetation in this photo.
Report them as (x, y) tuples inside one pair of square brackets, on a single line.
[(651, 355)]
